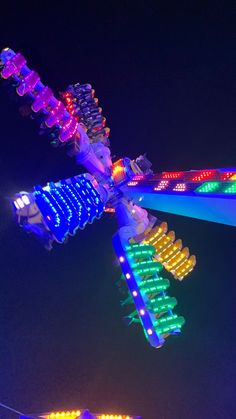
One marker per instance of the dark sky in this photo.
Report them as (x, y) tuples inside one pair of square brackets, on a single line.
[(165, 77)]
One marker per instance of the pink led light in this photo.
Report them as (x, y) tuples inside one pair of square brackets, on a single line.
[(42, 99), (55, 114), (13, 66), (132, 183), (161, 185), (180, 187), (69, 129), (121, 259), (28, 83)]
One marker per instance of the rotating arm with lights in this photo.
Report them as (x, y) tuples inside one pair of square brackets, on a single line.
[(203, 194)]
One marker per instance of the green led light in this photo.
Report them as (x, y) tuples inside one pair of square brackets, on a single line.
[(166, 319), (168, 323), (231, 189), (208, 187), (175, 325), (147, 266), (157, 286), (141, 254), (133, 246), (162, 304), (151, 281), (140, 249)]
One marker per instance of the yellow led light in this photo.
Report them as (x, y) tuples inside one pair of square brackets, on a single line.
[(68, 414)]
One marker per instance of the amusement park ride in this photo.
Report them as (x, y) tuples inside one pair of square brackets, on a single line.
[(78, 414), (143, 245)]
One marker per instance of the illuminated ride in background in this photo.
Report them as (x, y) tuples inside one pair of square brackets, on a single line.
[(78, 414), (143, 245)]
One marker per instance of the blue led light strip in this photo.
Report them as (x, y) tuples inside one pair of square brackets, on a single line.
[(140, 301), (147, 290), (68, 205), (53, 214)]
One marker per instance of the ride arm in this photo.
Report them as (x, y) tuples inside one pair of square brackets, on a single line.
[(54, 117)]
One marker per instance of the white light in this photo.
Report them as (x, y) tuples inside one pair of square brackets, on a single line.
[(121, 259), (141, 198), (46, 188), (135, 293), (127, 276), (20, 203), (149, 331), (142, 312), (25, 199)]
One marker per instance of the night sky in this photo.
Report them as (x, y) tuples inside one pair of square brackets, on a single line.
[(165, 77)]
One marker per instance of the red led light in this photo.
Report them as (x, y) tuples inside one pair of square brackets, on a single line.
[(226, 175), (203, 175), (171, 175)]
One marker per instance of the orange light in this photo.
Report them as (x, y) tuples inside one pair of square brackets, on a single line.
[(111, 210), (117, 170), (74, 414)]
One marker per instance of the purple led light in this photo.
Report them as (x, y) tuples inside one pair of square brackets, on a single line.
[(69, 129), (28, 83), (42, 99), (55, 114), (13, 66)]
